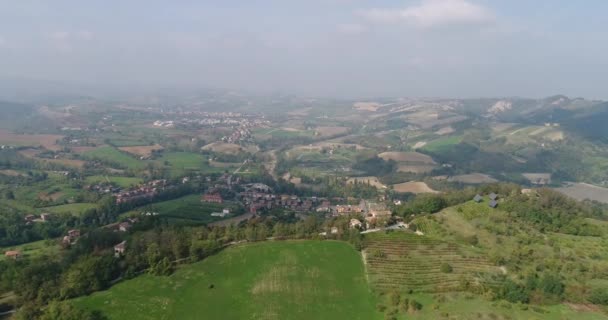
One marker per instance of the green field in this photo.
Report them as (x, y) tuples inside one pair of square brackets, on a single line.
[(34, 249), (73, 208), (271, 280), (190, 208), (123, 182), (113, 156), (181, 163), (442, 144)]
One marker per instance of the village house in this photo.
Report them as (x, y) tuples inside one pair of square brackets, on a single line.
[(355, 224), (13, 254), (493, 196), (334, 230), (124, 226), (74, 233), (493, 204), (212, 198), (478, 198), (119, 249)]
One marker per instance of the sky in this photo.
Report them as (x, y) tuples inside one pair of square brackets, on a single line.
[(336, 48)]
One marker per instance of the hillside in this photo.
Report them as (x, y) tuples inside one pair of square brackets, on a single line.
[(269, 280)]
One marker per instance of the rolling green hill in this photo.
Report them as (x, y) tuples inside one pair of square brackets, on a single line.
[(270, 280)]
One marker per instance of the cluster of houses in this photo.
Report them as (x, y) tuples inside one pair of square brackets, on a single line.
[(144, 191), (493, 197), (239, 134)]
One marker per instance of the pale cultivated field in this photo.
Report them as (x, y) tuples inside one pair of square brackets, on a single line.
[(444, 131), (407, 157), (419, 144), (228, 148), (33, 153), (300, 112), (415, 169), (367, 106), (473, 178), (331, 131), (142, 151), (582, 191), (414, 187), (371, 180), (12, 173), (48, 141), (538, 177)]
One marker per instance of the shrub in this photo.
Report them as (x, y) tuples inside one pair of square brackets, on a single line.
[(446, 268), (599, 296)]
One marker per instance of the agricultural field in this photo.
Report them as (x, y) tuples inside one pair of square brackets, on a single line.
[(123, 182), (142, 151), (442, 144), (72, 208), (405, 261), (34, 249), (229, 148), (473, 178), (182, 163), (48, 141), (582, 191), (114, 156), (190, 209), (415, 187), (408, 157), (269, 280)]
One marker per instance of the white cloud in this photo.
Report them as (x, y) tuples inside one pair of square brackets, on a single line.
[(433, 13)]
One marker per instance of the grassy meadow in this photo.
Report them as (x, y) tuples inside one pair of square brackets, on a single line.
[(190, 209), (269, 280), (113, 156)]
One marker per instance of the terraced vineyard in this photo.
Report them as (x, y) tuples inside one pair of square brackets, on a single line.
[(403, 261)]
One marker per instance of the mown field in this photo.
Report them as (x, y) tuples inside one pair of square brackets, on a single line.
[(181, 163), (72, 208), (271, 280), (190, 209), (123, 182), (33, 249), (113, 156)]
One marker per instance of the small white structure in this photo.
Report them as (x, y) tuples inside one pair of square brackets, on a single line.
[(355, 223)]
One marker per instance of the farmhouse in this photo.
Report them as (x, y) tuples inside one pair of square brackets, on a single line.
[(493, 204), (120, 248), (13, 254), (212, 198), (74, 233), (124, 226), (355, 224)]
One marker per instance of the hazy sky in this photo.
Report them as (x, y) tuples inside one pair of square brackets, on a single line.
[(456, 48)]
